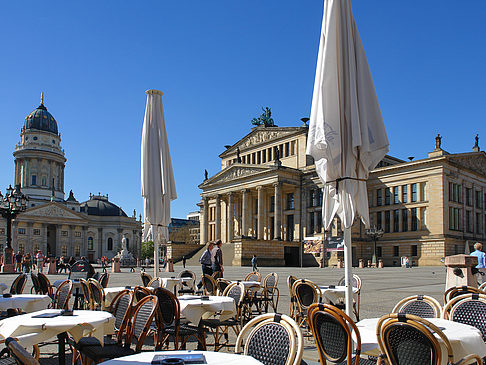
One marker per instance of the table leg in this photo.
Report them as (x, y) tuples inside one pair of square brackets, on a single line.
[(62, 348)]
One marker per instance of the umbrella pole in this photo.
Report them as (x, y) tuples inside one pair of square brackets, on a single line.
[(156, 258), (348, 271)]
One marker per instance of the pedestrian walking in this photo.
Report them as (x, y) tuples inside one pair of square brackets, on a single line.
[(217, 258), (478, 252), (40, 261), (205, 261), (254, 263), (18, 262), (184, 262)]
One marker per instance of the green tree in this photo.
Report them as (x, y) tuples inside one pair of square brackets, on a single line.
[(147, 250)]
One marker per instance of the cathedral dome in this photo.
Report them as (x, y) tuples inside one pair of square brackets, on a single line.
[(41, 119), (100, 206)]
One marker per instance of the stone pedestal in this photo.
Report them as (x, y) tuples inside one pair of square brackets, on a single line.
[(51, 265), (8, 265), (170, 266), (459, 271), (340, 264), (361, 263), (380, 264), (369, 263), (115, 265)]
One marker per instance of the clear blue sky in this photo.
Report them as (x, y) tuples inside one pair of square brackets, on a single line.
[(218, 62)]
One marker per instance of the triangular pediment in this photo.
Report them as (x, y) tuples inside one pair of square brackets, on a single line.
[(474, 161), (53, 210), (235, 172), (261, 135)]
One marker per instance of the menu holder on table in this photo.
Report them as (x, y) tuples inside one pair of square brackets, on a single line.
[(7, 295), (205, 297), (184, 359), (47, 315)]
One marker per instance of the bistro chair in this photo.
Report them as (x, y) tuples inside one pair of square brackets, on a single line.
[(270, 293), (409, 339), (86, 298), (45, 285), (455, 291), (468, 309), (306, 293), (209, 285), (145, 278), (140, 292), (253, 276), (169, 322), (272, 339), (138, 328), (97, 294), (482, 286), (290, 282), (222, 284), (187, 287), (104, 278), (18, 284), (333, 332), (155, 283), (35, 283), (218, 328), (20, 354), (63, 294), (356, 283), (419, 305), (217, 275)]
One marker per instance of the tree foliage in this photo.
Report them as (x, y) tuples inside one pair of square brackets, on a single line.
[(148, 250)]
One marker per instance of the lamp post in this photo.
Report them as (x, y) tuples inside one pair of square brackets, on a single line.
[(374, 233), (13, 203)]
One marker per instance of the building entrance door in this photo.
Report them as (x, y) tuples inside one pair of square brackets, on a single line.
[(290, 227), (51, 240)]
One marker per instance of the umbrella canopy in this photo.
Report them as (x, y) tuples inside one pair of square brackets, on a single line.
[(158, 185), (347, 136)]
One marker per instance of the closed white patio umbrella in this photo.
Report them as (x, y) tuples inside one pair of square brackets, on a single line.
[(158, 185), (347, 136)]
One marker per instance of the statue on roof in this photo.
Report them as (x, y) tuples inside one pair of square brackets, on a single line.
[(265, 119), (476, 144), (238, 157), (205, 174), (438, 141)]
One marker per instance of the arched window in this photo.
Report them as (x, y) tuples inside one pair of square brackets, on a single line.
[(110, 244), (90, 243)]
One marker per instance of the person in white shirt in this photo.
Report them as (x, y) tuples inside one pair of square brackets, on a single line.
[(40, 261)]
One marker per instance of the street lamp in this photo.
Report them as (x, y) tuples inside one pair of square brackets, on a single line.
[(374, 233), (13, 203)]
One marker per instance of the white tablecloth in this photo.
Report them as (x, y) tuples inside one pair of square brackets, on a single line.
[(3, 288), (111, 293), (31, 331), (194, 308), (27, 302), (220, 358), (170, 283), (332, 295), (464, 339), (247, 284)]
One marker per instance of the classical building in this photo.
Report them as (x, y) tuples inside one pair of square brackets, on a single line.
[(56, 226), (267, 199)]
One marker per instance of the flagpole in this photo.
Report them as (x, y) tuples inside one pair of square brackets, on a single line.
[(348, 274)]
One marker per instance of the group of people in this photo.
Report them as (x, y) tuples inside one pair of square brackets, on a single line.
[(212, 259), (27, 262)]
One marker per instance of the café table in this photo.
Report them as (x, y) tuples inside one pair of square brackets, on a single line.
[(464, 339), (247, 284), (212, 358), (111, 293), (32, 328), (171, 283), (195, 307), (27, 302), (331, 294)]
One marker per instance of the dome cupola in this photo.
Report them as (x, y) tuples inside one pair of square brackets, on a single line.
[(41, 119)]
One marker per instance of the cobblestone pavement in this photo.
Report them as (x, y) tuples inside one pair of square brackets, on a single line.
[(381, 290)]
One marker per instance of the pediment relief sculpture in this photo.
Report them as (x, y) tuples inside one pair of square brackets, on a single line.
[(475, 163), (52, 211)]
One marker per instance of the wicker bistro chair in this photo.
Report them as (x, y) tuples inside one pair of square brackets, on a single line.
[(272, 339), (482, 286), (468, 309), (222, 284), (138, 328), (270, 293), (217, 275), (333, 332), (104, 278), (254, 276), (187, 287), (306, 293), (18, 284), (169, 322), (97, 294), (356, 283), (252, 304), (63, 294), (145, 278), (20, 354), (218, 328), (419, 305), (409, 339), (140, 292), (290, 282), (35, 284), (155, 283), (455, 291), (209, 285), (86, 298), (45, 285)]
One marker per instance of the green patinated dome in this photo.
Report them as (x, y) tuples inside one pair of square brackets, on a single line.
[(41, 119)]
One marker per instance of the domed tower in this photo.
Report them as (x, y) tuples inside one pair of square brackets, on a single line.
[(39, 158)]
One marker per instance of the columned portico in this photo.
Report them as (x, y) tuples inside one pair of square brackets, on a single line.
[(278, 211), (260, 218), (204, 222), (217, 225), (244, 213), (231, 217)]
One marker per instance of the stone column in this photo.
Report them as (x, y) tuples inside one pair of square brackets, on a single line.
[(278, 211), (100, 244), (244, 213), (260, 219), (203, 226), (303, 212), (231, 217), (217, 219)]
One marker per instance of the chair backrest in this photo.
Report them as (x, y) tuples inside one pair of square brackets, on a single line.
[(222, 284), (155, 283), (270, 281), (79, 270), (332, 330), (104, 279), (355, 282), (209, 284), (44, 284), (35, 283), (18, 284), (409, 339), (87, 297), (97, 294), (63, 294), (168, 313), (235, 291), (142, 317), (306, 292), (253, 276), (217, 275), (145, 278), (187, 274), (468, 309), (273, 339), (20, 354), (455, 291), (140, 292), (121, 308), (482, 286), (419, 305), (290, 282)]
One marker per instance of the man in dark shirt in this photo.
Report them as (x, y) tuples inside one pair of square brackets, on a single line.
[(218, 258), (18, 262)]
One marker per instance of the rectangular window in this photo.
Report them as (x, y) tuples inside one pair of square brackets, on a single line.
[(451, 218), (34, 180), (459, 194), (396, 251), (264, 156), (64, 233), (404, 220), (414, 193), (478, 222), (36, 232), (378, 220), (379, 200), (21, 231), (405, 193), (469, 197), (259, 159), (77, 234), (451, 192), (396, 199), (287, 149), (311, 222), (478, 199), (77, 251), (413, 213), (290, 201), (414, 250), (311, 198), (272, 203), (379, 251), (468, 221), (396, 220), (387, 221), (64, 250), (269, 152), (387, 196)]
